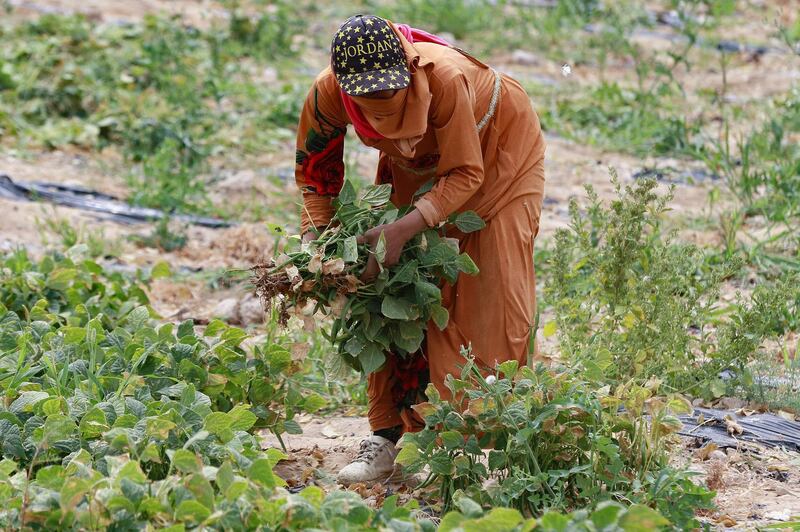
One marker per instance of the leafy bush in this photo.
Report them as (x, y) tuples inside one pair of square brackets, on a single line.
[(109, 417), (555, 442), (630, 302), (391, 312)]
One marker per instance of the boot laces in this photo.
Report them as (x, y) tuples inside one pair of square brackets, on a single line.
[(368, 451)]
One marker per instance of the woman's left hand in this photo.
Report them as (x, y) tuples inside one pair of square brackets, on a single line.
[(396, 235)]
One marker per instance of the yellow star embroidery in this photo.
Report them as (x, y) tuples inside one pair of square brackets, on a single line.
[(361, 39), (380, 55), (356, 29), (393, 77), (363, 60), (341, 34), (381, 80), (369, 22), (370, 77), (343, 63), (374, 86), (376, 65)]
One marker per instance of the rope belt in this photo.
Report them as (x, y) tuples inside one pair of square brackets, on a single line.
[(493, 102)]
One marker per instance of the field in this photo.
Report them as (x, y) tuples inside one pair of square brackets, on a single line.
[(145, 386)]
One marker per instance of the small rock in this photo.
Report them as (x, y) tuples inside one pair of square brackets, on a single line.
[(226, 310), (523, 57), (718, 455), (251, 312)]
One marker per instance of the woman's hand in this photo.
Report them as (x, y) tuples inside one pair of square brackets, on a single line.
[(396, 235)]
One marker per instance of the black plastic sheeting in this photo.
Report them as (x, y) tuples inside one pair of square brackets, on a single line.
[(766, 429), (82, 198)]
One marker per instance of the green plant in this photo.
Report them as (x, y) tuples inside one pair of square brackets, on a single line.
[(762, 169), (97, 245), (390, 313), (164, 237), (626, 297), (108, 417), (554, 442), (628, 120), (458, 17)]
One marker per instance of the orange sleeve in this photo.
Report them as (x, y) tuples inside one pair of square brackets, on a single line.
[(460, 169), (319, 168)]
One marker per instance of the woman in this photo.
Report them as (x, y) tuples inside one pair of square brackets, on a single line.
[(436, 115)]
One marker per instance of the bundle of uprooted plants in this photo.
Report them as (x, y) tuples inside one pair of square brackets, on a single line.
[(387, 314)]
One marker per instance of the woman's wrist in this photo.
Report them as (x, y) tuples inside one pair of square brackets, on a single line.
[(412, 224)]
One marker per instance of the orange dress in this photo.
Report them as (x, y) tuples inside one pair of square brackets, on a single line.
[(483, 157)]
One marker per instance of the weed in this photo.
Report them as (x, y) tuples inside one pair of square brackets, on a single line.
[(554, 442), (97, 245), (165, 236)]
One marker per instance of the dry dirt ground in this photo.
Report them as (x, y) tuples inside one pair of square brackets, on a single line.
[(753, 487)]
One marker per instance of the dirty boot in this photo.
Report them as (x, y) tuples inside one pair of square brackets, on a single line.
[(375, 461)]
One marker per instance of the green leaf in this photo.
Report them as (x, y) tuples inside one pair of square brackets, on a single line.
[(641, 518), (371, 358), (509, 368), (606, 514), (160, 270), (405, 274), (409, 454), (58, 428), (376, 195), (466, 265), (398, 309), (313, 403), (242, 418), (93, 424), (350, 251), (220, 425), (26, 401), (138, 317), (192, 512), (72, 491), (380, 248), (354, 345), (452, 440), (497, 460), (202, 490), (214, 328), (348, 193), (469, 507), (260, 471), (225, 476), (469, 221), (292, 427), (60, 278), (186, 461), (440, 316), (426, 292)]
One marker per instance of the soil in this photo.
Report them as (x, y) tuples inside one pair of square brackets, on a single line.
[(754, 487)]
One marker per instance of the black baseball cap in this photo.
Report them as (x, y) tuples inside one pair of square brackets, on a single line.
[(367, 56)]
